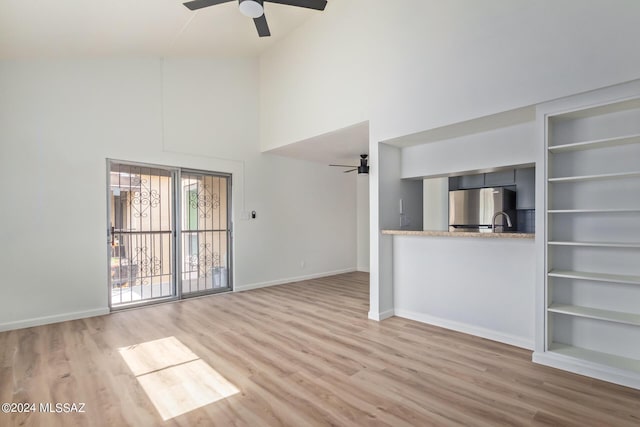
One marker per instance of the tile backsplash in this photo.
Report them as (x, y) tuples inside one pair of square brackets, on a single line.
[(526, 220)]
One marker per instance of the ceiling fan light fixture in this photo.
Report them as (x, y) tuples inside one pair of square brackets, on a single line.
[(251, 8)]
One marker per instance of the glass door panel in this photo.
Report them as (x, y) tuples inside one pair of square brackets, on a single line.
[(205, 263), (141, 246)]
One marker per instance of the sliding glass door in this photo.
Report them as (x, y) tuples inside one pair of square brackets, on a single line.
[(142, 224), (205, 235), (149, 207)]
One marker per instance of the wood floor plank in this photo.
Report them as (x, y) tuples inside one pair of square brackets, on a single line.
[(300, 354)]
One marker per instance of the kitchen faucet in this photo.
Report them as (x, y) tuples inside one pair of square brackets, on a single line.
[(493, 221)]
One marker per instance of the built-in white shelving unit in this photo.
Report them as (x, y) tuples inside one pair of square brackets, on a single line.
[(591, 307)]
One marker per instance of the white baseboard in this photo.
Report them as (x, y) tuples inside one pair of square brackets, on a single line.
[(382, 315), (37, 321), (589, 369), (27, 323), (241, 288), (468, 329)]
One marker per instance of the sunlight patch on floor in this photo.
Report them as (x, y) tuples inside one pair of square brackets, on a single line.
[(175, 379)]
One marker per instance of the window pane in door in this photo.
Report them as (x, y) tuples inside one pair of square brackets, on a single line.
[(141, 243), (205, 233)]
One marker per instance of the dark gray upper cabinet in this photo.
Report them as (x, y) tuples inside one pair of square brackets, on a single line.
[(471, 181), (499, 179), (526, 188)]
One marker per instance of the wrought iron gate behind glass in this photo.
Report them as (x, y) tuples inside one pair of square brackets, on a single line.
[(205, 233), (142, 233)]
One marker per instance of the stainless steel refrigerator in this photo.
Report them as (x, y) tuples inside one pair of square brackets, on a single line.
[(474, 210)]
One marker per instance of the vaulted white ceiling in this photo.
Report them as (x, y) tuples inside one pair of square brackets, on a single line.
[(98, 28), (72, 29)]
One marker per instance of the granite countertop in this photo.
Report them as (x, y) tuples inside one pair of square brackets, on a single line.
[(461, 234)]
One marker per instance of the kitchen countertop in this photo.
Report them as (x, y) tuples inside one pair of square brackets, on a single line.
[(460, 234)]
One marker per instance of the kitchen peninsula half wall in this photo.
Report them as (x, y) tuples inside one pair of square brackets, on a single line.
[(479, 282), (479, 285)]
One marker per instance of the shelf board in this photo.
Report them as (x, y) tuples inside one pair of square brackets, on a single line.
[(596, 313), (576, 211), (606, 108), (596, 277), (596, 244), (597, 143), (604, 176), (598, 357)]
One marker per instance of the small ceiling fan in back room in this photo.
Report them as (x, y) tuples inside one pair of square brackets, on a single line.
[(363, 168), (255, 9)]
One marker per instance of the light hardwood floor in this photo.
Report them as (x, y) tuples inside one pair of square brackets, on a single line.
[(296, 354)]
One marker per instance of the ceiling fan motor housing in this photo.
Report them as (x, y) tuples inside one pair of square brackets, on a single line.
[(255, 9), (363, 168), (251, 8)]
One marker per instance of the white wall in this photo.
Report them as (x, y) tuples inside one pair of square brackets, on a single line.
[(480, 286), (384, 184), (387, 202), (317, 80), (506, 146), (426, 63), (60, 120), (362, 210), (429, 63)]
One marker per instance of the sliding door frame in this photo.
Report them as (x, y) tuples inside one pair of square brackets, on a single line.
[(177, 232), (230, 256)]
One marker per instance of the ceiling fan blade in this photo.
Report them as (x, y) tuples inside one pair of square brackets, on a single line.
[(199, 4), (261, 26), (350, 170), (309, 4), (344, 166)]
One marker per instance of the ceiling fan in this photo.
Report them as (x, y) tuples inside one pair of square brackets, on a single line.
[(255, 9), (363, 168)]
